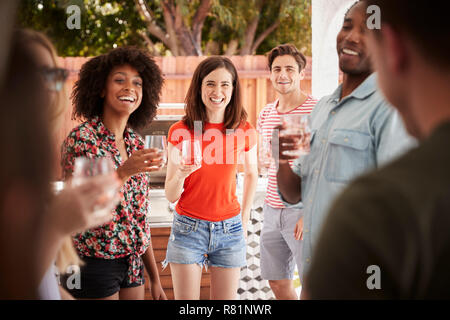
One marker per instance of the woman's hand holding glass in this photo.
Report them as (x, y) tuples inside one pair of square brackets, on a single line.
[(74, 209), (87, 199), (191, 158), (144, 160), (159, 144)]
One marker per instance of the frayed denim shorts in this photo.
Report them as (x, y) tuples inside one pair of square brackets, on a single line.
[(206, 243)]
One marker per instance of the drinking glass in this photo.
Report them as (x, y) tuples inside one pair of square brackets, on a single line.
[(264, 155), (86, 168), (159, 143), (57, 186), (191, 152), (297, 126)]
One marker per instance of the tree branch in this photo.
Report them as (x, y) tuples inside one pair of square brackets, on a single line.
[(264, 35), (170, 21), (232, 47), (184, 34), (178, 37), (152, 27), (199, 19), (250, 32), (249, 36), (149, 43)]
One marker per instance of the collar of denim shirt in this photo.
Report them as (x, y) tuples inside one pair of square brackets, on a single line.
[(366, 88)]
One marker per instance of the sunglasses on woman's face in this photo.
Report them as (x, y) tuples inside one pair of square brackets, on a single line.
[(54, 77)]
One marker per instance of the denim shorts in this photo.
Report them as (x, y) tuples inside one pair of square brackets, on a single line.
[(206, 243)]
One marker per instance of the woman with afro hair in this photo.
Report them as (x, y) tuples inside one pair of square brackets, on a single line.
[(115, 94)]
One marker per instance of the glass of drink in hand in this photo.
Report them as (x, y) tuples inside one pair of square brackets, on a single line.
[(159, 143), (264, 155), (87, 168), (191, 152), (297, 126)]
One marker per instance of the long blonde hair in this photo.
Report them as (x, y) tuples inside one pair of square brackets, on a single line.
[(67, 254)]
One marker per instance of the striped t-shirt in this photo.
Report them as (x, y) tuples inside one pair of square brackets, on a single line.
[(269, 118)]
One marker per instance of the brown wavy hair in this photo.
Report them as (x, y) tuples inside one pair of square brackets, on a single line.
[(195, 109), (92, 80), (287, 49)]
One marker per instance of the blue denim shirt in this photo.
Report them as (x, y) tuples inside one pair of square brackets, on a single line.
[(348, 138)]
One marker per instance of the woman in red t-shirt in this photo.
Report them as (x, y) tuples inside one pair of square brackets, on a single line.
[(209, 224)]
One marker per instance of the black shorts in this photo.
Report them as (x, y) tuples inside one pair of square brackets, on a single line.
[(99, 278)]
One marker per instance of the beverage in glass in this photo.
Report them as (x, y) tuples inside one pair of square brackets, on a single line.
[(159, 143), (264, 155), (297, 126), (86, 168), (191, 152)]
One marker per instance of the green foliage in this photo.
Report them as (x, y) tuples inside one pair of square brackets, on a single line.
[(234, 16), (295, 28), (106, 24)]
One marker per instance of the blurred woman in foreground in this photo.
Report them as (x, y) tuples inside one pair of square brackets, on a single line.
[(72, 209)]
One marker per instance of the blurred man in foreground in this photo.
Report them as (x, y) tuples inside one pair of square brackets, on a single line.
[(391, 226)]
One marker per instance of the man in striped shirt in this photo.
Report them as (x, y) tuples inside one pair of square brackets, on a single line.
[(280, 238)]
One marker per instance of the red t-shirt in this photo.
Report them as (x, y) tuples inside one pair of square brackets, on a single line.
[(210, 192)]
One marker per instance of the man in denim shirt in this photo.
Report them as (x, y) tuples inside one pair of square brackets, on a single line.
[(352, 130), (394, 222)]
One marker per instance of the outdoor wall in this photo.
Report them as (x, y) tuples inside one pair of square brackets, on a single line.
[(327, 19), (257, 90)]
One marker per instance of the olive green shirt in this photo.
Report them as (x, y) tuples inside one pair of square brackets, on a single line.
[(388, 234)]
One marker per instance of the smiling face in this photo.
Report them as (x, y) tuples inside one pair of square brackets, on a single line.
[(123, 90), (217, 90), (353, 55), (285, 75)]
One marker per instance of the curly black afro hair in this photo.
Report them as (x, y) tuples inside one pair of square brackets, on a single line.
[(92, 80)]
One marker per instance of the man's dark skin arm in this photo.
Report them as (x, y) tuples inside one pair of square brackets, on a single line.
[(289, 183)]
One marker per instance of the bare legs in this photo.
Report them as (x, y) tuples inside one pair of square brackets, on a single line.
[(134, 293), (283, 289), (224, 283), (186, 282)]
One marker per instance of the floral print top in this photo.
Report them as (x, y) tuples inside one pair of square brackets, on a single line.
[(128, 234)]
